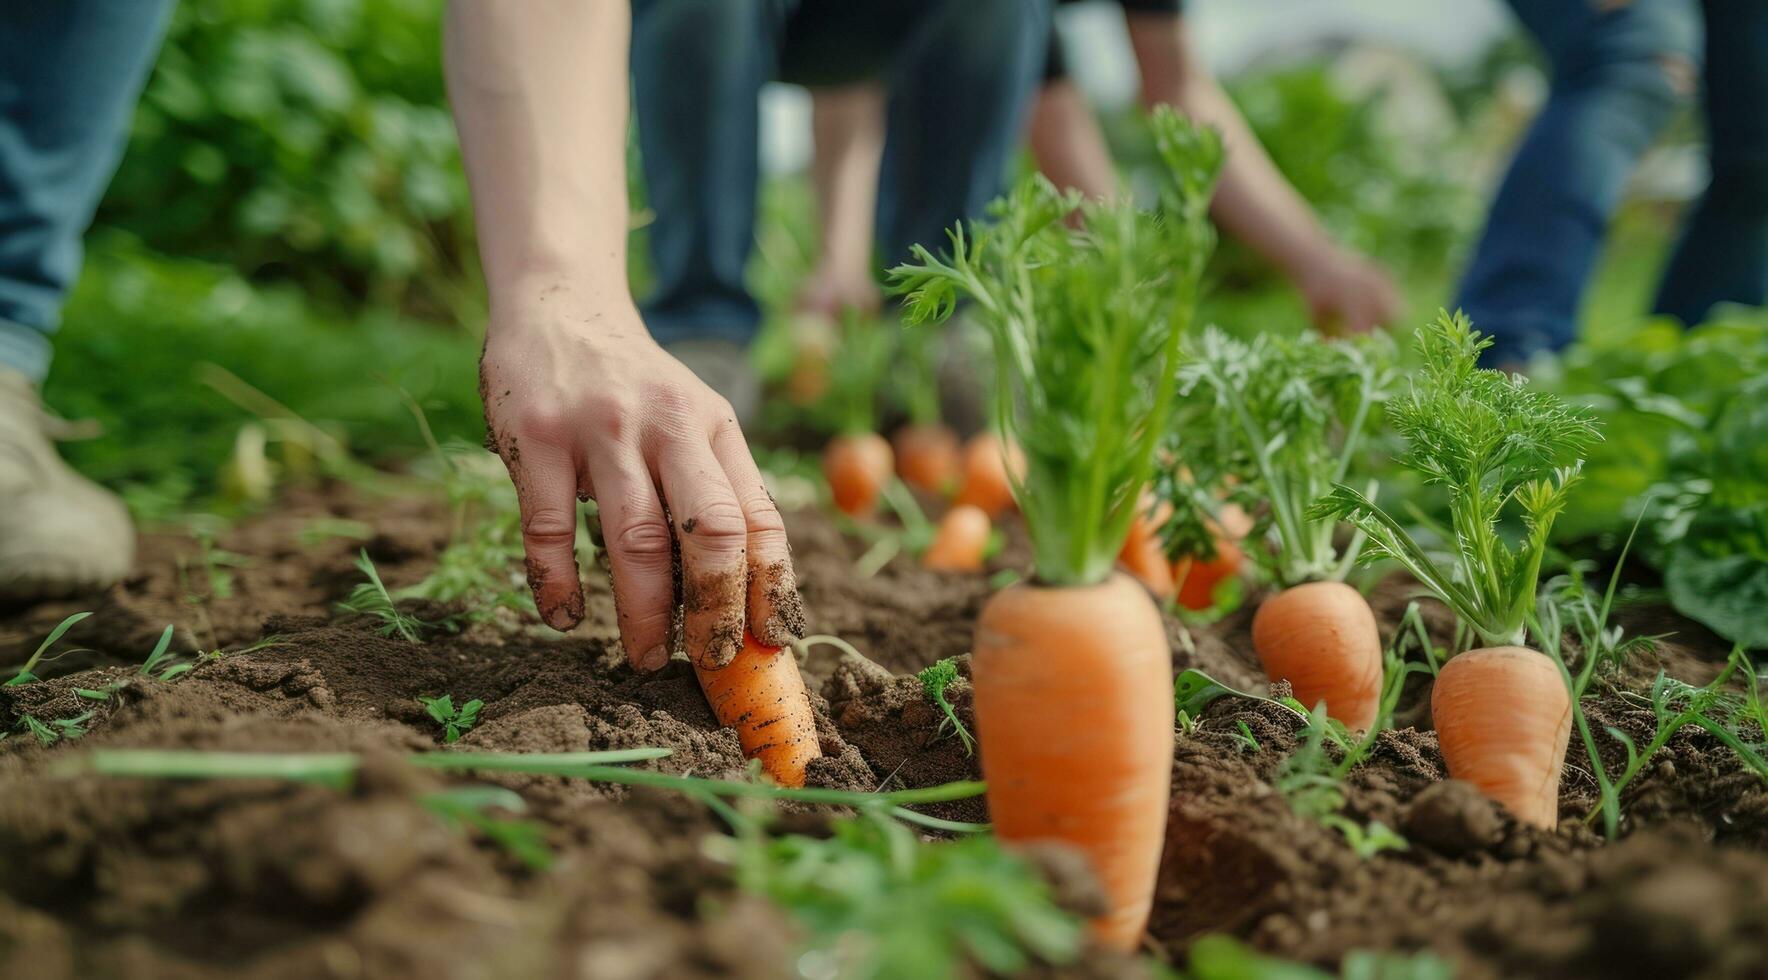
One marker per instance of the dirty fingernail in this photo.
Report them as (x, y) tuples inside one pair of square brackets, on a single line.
[(777, 633), (654, 659), (722, 653)]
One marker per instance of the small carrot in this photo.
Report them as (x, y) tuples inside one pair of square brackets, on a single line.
[(761, 695), (1143, 554), (857, 466), (1503, 719), (1074, 714), (1197, 579), (959, 541), (986, 483), (927, 457), (1321, 638)]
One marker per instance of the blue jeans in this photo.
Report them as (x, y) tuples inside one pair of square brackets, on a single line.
[(70, 72), (1619, 75), (959, 74)]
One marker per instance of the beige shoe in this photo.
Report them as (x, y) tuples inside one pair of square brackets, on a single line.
[(60, 533)]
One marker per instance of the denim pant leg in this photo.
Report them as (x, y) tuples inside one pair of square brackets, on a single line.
[(1620, 72), (1723, 254), (70, 72), (959, 93), (697, 70)]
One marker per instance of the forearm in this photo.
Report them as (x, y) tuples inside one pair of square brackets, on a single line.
[(1253, 202), (539, 93), (848, 129)]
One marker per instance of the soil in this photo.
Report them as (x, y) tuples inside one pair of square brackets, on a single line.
[(117, 877)]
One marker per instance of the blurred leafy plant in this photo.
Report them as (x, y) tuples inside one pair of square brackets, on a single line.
[(883, 904), (309, 138), (1683, 415)]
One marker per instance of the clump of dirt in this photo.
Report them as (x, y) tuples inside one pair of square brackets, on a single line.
[(900, 733)]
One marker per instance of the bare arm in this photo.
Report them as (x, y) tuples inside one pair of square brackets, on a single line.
[(1253, 201), (579, 400)]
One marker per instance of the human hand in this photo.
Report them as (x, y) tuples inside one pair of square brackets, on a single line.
[(1347, 294), (830, 292), (582, 403)]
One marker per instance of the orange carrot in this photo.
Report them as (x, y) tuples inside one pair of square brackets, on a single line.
[(1503, 718), (1196, 579), (857, 466), (1321, 638), (1143, 554), (927, 457), (959, 541), (1074, 713), (986, 465), (761, 695)]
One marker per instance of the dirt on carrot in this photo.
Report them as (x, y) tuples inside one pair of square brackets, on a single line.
[(270, 880)]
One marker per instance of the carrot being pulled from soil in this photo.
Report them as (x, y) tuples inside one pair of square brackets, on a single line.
[(1503, 713), (1274, 423), (761, 694), (1071, 671), (960, 541)]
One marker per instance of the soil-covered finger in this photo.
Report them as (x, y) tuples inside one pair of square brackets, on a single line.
[(546, 491), (776, 610), (713, 535), (638, 546)]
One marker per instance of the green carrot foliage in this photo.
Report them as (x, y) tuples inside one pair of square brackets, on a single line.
[(1281, 419), (1498, 448), (1085, 325)]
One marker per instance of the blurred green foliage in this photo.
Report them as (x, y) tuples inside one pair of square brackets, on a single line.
[(307, 140), (1684, 415), (140, 328), (1386, 195)]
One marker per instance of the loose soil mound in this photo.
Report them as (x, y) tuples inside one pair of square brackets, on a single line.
[(263, 879)]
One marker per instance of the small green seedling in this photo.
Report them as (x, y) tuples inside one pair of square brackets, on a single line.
[(1244, 740), (455, 721), (58, 729), (934, 680), (1195, 690), (371, 598), (162, 665), (1369, 839), (26, 673)]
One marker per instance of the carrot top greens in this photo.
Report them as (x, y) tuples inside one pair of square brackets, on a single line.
[(1085, 325), (1279, 419), (1490, 441)]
